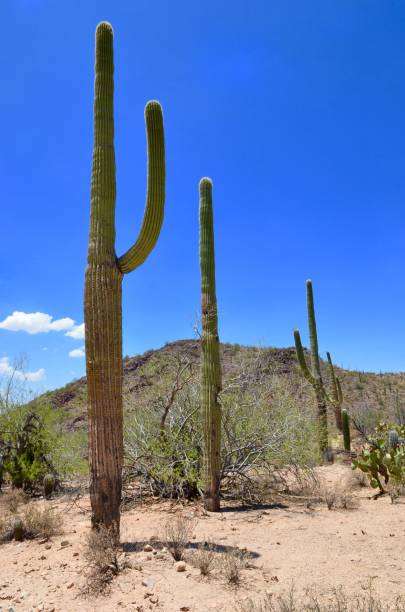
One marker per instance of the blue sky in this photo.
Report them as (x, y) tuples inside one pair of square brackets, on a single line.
[(296, 111)]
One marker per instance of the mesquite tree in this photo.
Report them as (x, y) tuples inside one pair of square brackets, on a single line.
[(104, 274), (210, 363)]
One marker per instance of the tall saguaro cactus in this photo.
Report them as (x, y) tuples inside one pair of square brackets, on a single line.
[(336, 398), (210, 362), (314, 375), (104, 273)]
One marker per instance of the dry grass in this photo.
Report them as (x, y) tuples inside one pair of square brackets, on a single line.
[(230, 564), (204, 558), (32, 522), (337, 601), (177, 534), (104, 561), (41, 522), (13, 499)]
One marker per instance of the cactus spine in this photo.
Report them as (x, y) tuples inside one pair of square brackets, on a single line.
[(210, 362), (314, 375), (346, 429), (104, 273)]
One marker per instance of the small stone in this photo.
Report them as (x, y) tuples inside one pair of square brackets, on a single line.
[(64, 543), (148, 548), (48, 546), (180, 566), (70, 585), (75, 554)]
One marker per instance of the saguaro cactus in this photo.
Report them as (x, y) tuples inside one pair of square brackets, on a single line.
[(336, 398), (314, 376), (104, 273), (346, 430), (210, 362)]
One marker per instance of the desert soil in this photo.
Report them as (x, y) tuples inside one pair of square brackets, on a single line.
[(310, 545)]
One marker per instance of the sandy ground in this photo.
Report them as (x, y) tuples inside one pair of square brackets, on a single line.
[(312, 546)]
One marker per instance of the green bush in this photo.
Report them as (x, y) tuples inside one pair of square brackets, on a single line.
[(33, 444), (267, 424)]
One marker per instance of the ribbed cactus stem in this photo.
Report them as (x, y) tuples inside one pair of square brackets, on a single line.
[(49, 485), (314, 375), (337, 396), (393, 439), (104, 273), (346, 430), (210, 362)]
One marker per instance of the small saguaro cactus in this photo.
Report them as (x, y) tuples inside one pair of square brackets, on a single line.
[(336, 398), (314, 375), (393, 439), (210, 362), (346, 430), (49, 483), (104, 274)]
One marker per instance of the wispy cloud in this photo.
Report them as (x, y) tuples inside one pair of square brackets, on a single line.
[(6, 369), (77, 332), (35, 322), (79, 352)]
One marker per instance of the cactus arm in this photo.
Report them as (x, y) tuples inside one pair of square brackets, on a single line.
[(339, 390), (336, 398), (346, 430), (335, 394), (313, 336), (301, 358), (154, 209), (210, 362)]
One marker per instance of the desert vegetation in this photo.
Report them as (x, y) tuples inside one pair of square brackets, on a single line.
[(226, 455)]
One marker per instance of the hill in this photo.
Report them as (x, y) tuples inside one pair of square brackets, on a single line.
[(369, 396)]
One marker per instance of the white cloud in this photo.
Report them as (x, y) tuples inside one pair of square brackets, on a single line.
[(77, 332), (7, 370), (35, 322), (79, 352)]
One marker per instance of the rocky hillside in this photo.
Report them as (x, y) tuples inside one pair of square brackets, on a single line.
[(375, 396)]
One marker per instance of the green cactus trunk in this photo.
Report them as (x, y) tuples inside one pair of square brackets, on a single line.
[(346, 430), (314, 376), (337, 397), (104, 273), (210, 362)]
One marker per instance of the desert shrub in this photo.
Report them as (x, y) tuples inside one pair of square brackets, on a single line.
[(32, 522), (25, 447), (231, 563), (204, 558), (13, 499), (381, 461), (41, 522), (104, 560), (267, 424), (177, 534), (33, 444), (312, 601)]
